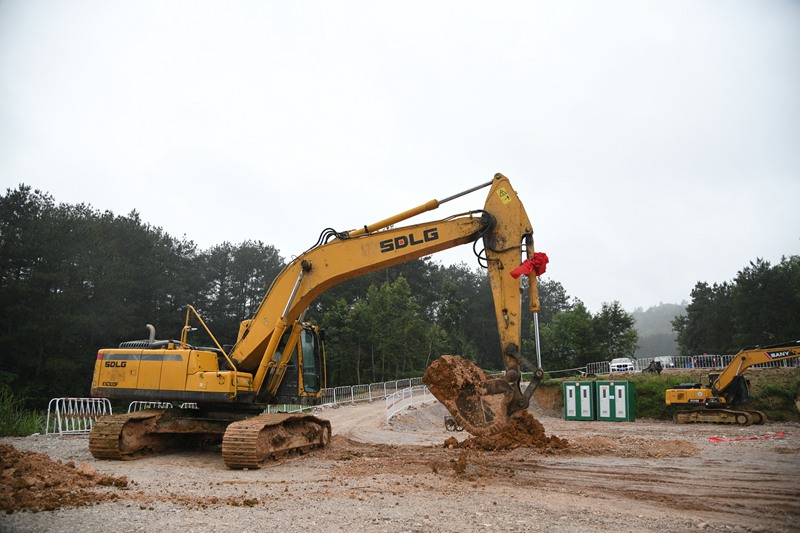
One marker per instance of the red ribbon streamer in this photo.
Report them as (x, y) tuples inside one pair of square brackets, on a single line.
[(538, 264)]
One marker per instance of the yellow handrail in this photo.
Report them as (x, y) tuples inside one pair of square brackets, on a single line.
[(185, 331)]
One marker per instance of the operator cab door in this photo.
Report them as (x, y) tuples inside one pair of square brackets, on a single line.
[(303, 376), (312, 350)]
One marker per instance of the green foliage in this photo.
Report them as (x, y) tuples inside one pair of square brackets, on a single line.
[(381, 336), (73, 280), (650, 393), (776, 396), (760, 306), (574, 337), (234, 280), (614, 332), (15, 421), (568, 340)]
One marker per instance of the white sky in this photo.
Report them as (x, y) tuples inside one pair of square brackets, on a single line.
[(655, 144)]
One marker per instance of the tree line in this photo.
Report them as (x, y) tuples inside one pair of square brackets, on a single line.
[(74, 280), (759, 306)]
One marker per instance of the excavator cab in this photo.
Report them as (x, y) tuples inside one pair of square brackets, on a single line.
[(304, 375)]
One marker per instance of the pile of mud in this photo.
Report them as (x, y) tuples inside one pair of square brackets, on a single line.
[(524, 431), (34, 482)]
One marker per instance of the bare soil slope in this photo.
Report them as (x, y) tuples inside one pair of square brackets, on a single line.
[(406, 475)]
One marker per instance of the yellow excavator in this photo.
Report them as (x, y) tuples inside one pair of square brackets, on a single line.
[(729, 389), (280, 359)]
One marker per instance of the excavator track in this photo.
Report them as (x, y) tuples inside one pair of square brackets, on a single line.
[(720, 416), (250, 443), (111, 439), (152, 432)]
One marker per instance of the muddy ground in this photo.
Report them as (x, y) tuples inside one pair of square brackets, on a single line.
[(400, 476)]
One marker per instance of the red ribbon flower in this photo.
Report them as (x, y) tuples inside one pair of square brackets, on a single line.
[(537, 264)]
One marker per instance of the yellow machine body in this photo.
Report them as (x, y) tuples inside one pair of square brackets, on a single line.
[(726, 391), (279, 359)]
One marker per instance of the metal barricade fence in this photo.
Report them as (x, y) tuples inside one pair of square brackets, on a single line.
[(285, 408), (141, 405), (603, 367), (406, 398), (377, 390), (75, 416), (367, 392), (687, 362)]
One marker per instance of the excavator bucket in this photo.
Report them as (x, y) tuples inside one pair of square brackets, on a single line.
[(479, 404)]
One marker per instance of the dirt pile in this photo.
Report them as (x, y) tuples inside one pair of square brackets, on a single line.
[(34, 482), (524, 431)]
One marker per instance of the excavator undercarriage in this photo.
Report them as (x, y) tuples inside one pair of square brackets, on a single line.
[(246, 442), (720, 416)]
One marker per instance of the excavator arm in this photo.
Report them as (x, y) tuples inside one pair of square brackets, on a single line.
[(266, 341), (722, 384)]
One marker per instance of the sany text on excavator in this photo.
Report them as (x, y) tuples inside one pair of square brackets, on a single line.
[(280, 359), (729, 389)]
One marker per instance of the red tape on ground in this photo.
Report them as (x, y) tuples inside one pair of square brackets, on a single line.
[(775, 436)]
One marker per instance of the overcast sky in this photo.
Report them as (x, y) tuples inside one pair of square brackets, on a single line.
[(655, 144)]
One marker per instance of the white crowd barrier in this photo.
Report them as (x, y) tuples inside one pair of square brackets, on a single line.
[(75, 415), (141, 405), (705, 361), (366, 393), (406, 398)]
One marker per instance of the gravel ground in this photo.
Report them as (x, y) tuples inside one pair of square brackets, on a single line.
[(396, 477)]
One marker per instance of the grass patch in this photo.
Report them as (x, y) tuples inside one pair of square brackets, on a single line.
[(15, 421)]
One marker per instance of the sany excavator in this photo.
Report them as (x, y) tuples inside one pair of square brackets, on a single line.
[(280, 359), (728, 388)]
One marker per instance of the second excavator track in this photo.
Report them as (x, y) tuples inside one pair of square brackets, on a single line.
[(720, 416), (249, 443)]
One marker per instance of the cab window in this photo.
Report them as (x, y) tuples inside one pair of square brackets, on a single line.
[(310, 351)]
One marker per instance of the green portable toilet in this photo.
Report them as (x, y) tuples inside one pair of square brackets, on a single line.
[(615, 401), (579, 400)]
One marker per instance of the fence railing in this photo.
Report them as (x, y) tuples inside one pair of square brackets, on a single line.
[(682, 362), (366, 393), (140, 405), (74, 415), (404, 398)]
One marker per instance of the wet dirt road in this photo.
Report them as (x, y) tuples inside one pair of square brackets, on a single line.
[(398, 476)]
